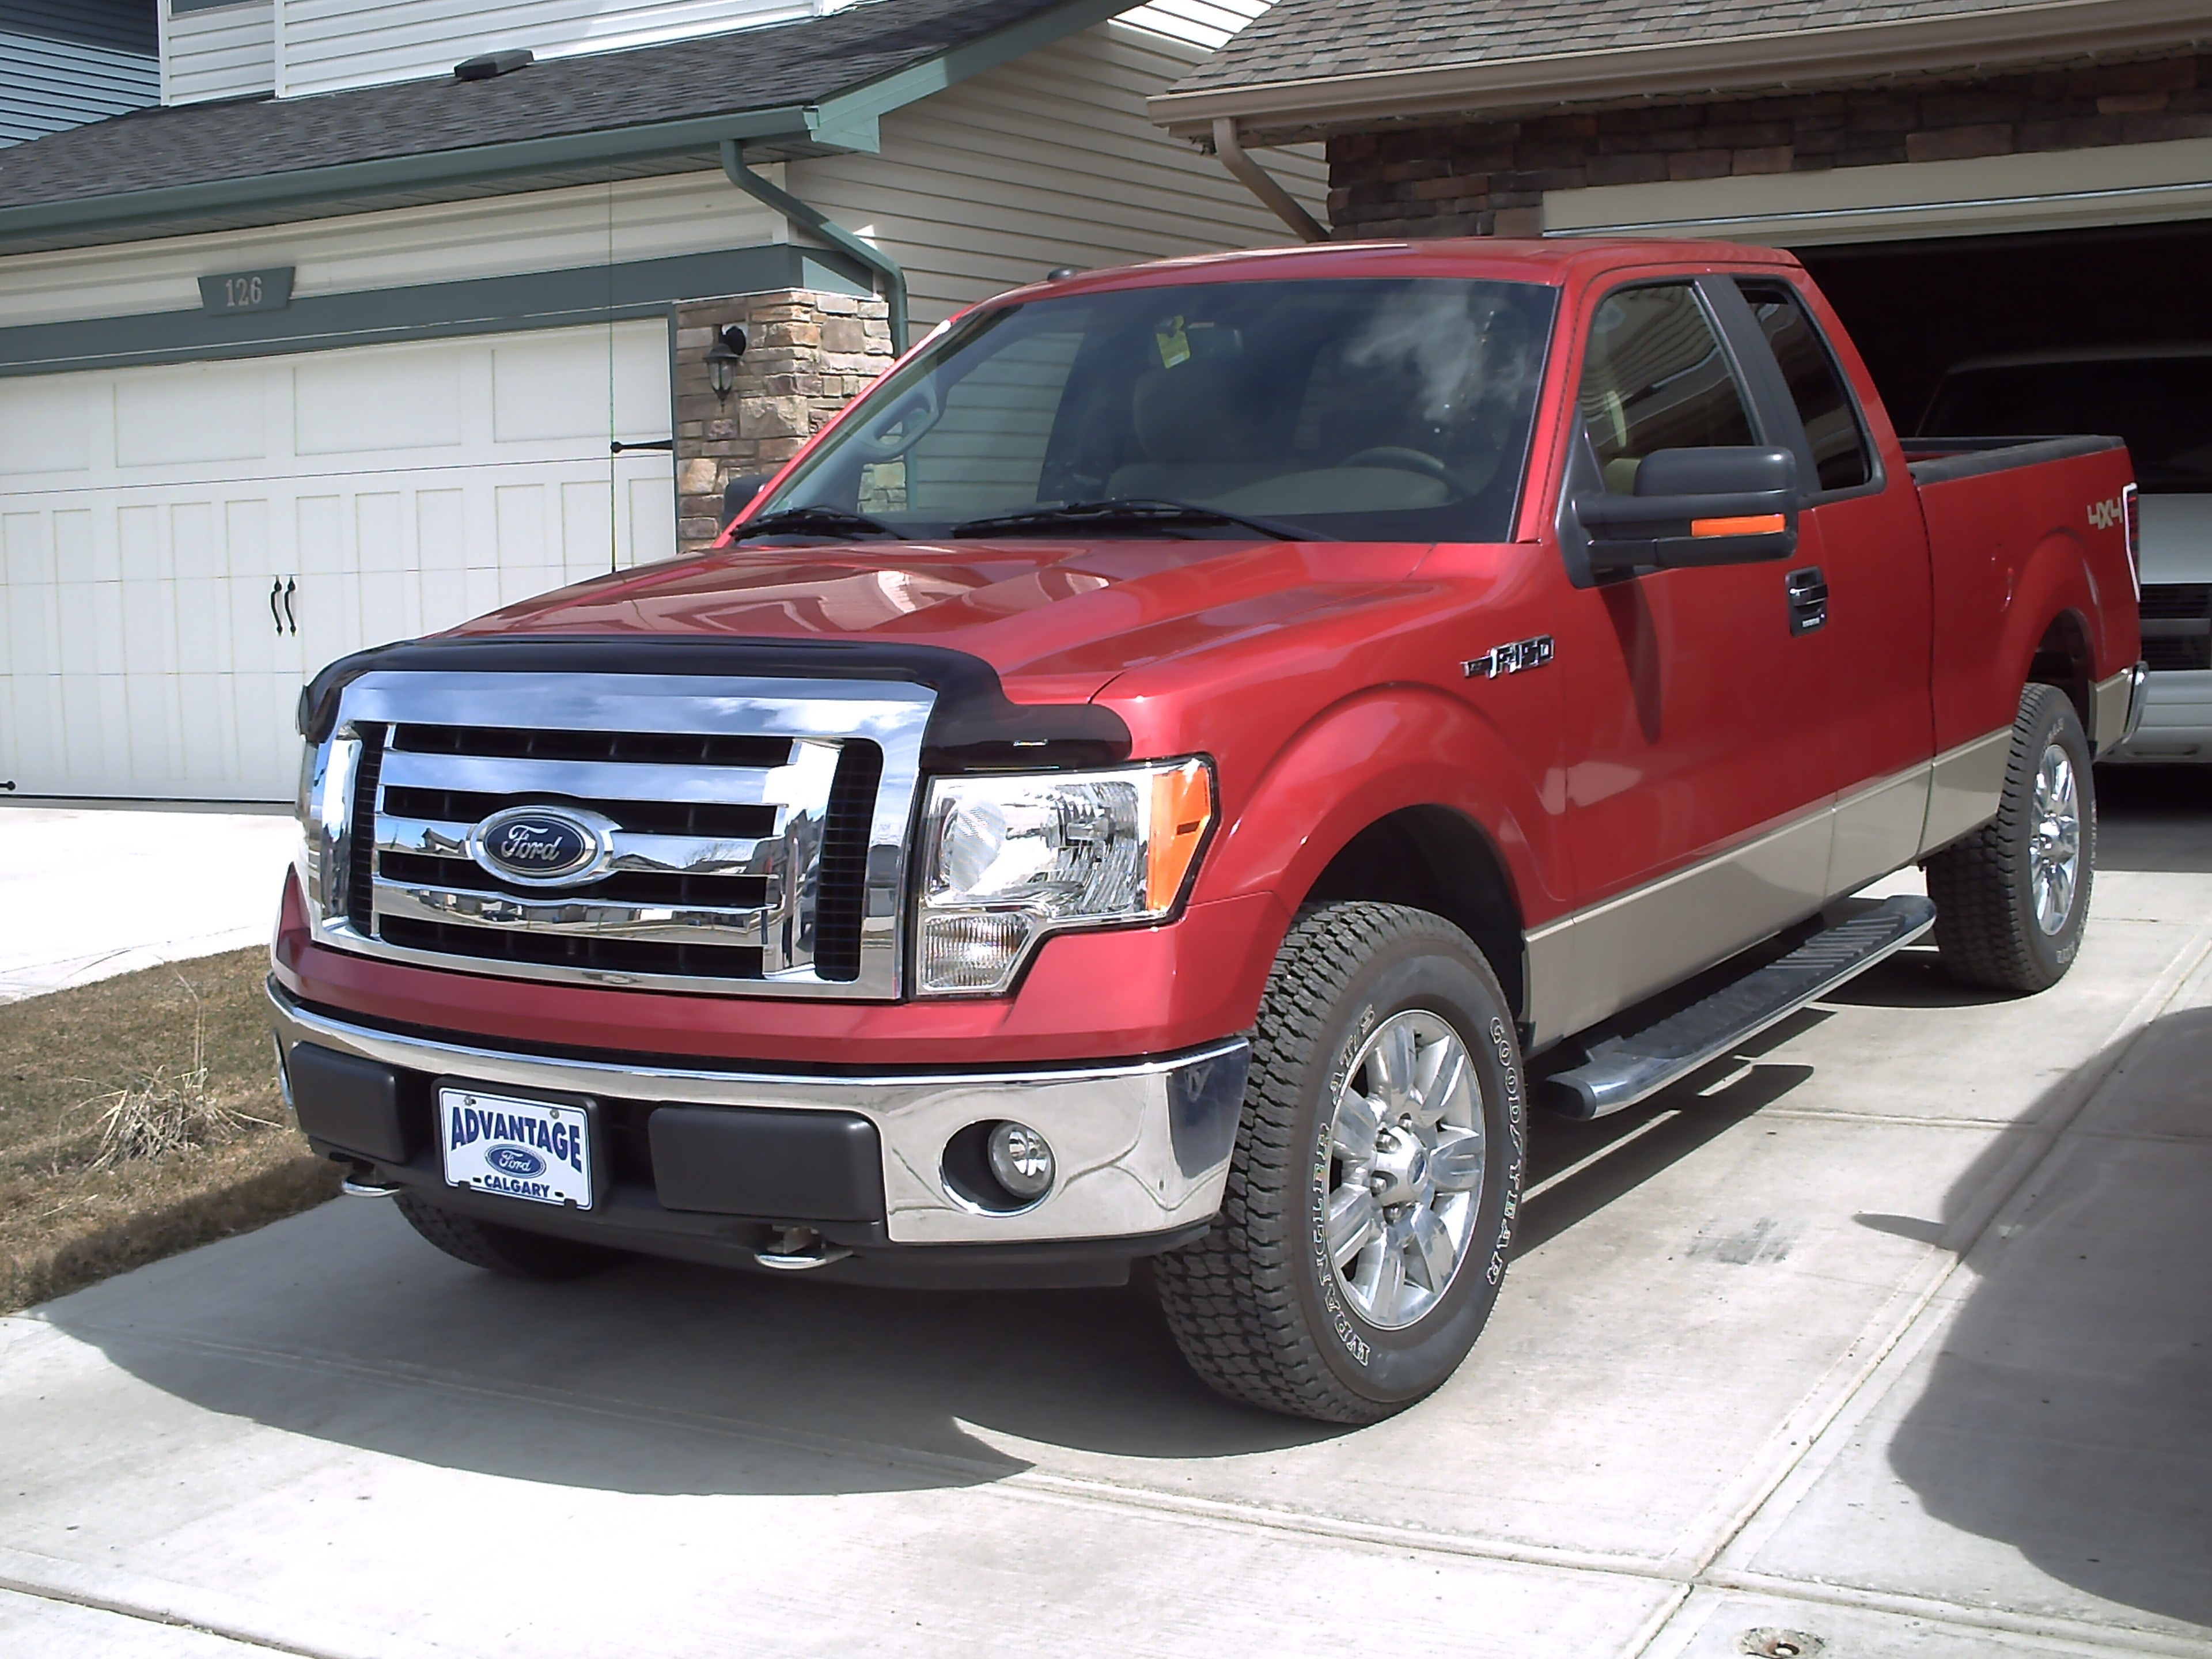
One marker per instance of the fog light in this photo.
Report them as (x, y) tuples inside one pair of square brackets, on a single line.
[(1020, 1160)]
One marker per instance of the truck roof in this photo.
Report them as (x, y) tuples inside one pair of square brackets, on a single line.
[(1552, 261)]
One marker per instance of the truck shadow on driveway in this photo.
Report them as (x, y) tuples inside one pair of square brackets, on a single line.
[(2069, 1411), (660, 1377), (653, 1377)]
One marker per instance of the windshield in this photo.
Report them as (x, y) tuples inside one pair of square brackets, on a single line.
[(2162, 406), (1375, 410)]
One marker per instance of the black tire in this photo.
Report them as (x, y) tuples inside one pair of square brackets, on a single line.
[(510, 1250), (1985, 887), (1254, 1305)]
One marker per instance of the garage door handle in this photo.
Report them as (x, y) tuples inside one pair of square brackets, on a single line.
[(289, 586), (618, 447), (275, 592)]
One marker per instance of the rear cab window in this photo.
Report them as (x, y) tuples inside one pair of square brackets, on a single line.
[(1842, 457)]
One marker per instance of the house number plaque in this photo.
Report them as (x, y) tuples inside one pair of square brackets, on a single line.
[(247, 290)]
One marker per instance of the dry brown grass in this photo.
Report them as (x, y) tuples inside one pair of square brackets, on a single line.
[(139, 1116)]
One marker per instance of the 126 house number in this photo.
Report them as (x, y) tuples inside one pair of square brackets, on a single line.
[(247, 290)]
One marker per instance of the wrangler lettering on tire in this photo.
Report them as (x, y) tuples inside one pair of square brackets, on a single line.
[(1376, 1177)]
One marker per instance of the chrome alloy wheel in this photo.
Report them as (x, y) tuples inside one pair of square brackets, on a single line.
[(1405, 1155), (2054, 841)]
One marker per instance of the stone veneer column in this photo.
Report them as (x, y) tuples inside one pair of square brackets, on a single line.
[(807, 353)]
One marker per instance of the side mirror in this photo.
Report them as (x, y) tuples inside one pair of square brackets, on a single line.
[(1727, 505), (738, 496)]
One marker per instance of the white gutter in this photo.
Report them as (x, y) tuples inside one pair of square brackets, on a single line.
[(1997, 36)]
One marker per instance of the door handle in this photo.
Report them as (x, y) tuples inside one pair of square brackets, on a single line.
[(291, 586), (275, 591), (1808, 599)]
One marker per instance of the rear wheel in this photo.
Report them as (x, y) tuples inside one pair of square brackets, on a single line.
[(509, 1250), (1371, 1199), (2012, 898)]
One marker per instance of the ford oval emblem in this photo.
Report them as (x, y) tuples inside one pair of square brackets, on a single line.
[(542, 846), (515, 1160)]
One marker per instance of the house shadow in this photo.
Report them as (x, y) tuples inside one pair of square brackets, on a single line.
[(2068, 1412)]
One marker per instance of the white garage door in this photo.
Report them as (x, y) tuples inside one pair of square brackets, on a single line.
[(181, 547)]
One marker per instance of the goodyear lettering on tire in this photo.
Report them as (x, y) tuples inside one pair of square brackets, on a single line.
[(1340, 1076)]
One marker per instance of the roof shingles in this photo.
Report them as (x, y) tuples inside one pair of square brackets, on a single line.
[(1303, 40), (781, 65)]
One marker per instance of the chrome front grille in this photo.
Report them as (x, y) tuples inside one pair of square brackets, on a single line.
[(757, 839)]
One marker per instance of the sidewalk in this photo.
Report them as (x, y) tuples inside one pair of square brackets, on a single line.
[(88, 892)]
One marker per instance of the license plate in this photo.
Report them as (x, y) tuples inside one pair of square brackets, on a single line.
[(536, 1149)]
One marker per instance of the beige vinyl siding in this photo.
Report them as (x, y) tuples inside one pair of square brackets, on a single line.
[(333, 44), (228, 53), (543, 230), (1049, 161)]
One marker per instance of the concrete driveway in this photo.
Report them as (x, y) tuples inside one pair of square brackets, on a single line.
[(1893, 1338), (88, 892)]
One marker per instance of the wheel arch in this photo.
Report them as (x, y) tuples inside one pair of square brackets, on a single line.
[(1436, 859), (1401, 772), (2065, 660)]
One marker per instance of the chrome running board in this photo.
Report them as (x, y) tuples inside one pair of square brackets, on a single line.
[(1621, 1071)]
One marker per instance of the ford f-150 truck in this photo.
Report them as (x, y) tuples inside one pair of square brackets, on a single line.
[(1179, 768)]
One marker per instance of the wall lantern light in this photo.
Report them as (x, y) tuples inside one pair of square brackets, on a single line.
[(722, 361)]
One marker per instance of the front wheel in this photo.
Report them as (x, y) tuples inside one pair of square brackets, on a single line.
[(1377, 1167), (2012, 898)]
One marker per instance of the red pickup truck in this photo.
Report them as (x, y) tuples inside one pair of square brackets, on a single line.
[(1180, 767)]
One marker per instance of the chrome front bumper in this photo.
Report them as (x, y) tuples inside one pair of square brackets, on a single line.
[(1141, 1149)]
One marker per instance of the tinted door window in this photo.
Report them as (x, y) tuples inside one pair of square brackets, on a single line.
[(1655, 378), (1840, 454)]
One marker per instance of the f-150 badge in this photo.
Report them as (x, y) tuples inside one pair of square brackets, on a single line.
[(1509, 659)]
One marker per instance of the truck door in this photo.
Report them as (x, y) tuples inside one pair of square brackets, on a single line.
[(1862, 548), (1700, 771)]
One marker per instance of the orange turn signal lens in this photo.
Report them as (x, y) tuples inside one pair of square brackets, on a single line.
[(1762, 524), (1181, 809)]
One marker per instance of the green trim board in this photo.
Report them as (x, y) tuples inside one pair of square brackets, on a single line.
[(845, 123), (484, 305)]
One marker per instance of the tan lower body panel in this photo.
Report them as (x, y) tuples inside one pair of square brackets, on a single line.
[(1587, 967), (1963, 791)]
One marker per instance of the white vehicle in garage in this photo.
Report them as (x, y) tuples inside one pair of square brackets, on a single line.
[(2160, 400)]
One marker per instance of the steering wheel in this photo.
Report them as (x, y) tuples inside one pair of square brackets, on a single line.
[(1408, 460)]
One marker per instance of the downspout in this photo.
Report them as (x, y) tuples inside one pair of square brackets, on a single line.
[(1257, 179), (819, 223)]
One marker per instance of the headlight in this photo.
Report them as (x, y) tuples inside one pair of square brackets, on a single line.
[(1012, 857)]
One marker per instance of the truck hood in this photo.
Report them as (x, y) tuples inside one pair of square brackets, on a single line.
[(1068, 615)]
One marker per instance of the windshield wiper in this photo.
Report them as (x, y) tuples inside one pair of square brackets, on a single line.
[(813, 521), (1133, 510)]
